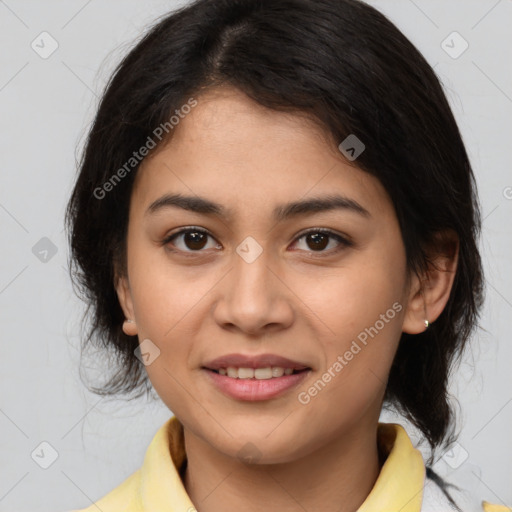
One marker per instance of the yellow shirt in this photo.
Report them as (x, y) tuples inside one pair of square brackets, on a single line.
[(157, 486)]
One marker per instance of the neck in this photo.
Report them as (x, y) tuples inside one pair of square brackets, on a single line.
[(336, 477)]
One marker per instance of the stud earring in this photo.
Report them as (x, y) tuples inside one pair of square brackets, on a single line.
[(426, 323)]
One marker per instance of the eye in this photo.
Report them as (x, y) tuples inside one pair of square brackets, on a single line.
[(193, 239), (317, 239)]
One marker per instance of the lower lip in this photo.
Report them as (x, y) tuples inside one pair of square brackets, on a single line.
[(256, 389)]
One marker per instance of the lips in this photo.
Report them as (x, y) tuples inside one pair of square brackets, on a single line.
[(256, 361), (254, 389)]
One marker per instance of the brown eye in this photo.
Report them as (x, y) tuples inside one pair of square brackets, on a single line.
[(318, 239), (189, 240), (195, 240)]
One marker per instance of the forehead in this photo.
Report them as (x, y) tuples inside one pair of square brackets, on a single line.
[(236, 152)]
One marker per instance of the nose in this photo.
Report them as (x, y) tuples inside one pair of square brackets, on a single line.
[(253, 298)]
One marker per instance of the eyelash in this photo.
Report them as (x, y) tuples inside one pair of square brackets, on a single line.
[(344, 243)]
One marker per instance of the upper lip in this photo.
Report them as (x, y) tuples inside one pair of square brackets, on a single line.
[(256, 361)]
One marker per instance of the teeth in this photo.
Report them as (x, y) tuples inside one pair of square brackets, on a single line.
[(277, 371), (255, 373)]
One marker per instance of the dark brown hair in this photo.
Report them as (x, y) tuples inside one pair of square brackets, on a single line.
[(353, 71)]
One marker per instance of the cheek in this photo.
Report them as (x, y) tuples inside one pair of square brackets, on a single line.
[(359, 315), (164, 292), (356, 297), (166, 299)]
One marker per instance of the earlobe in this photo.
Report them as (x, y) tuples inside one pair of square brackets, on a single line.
[(125, 300), (428, 296), (416, 312)]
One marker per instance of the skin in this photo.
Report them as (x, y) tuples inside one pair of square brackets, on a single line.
[(293, 300)]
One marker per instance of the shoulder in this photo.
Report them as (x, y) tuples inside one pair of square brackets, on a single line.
[(489, 507), (124, 497)]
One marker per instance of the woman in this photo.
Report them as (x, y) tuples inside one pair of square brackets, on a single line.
[(276, 226)]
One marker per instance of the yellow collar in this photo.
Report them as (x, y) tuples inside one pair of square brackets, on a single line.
[(157, 485), (398, 487)]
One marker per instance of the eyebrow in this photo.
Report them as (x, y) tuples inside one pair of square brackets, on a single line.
[(282, 212)]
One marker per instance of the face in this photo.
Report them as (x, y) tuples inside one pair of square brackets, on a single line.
[(323, 287)]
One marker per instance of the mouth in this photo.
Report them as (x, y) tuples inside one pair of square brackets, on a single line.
[(255, 388), (260, 366), (264, 373), (255, 377)]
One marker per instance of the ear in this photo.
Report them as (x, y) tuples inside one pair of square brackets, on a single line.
[(428, 295), (124, 295)]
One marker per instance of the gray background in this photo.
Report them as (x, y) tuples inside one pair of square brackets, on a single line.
[(46, 105)]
